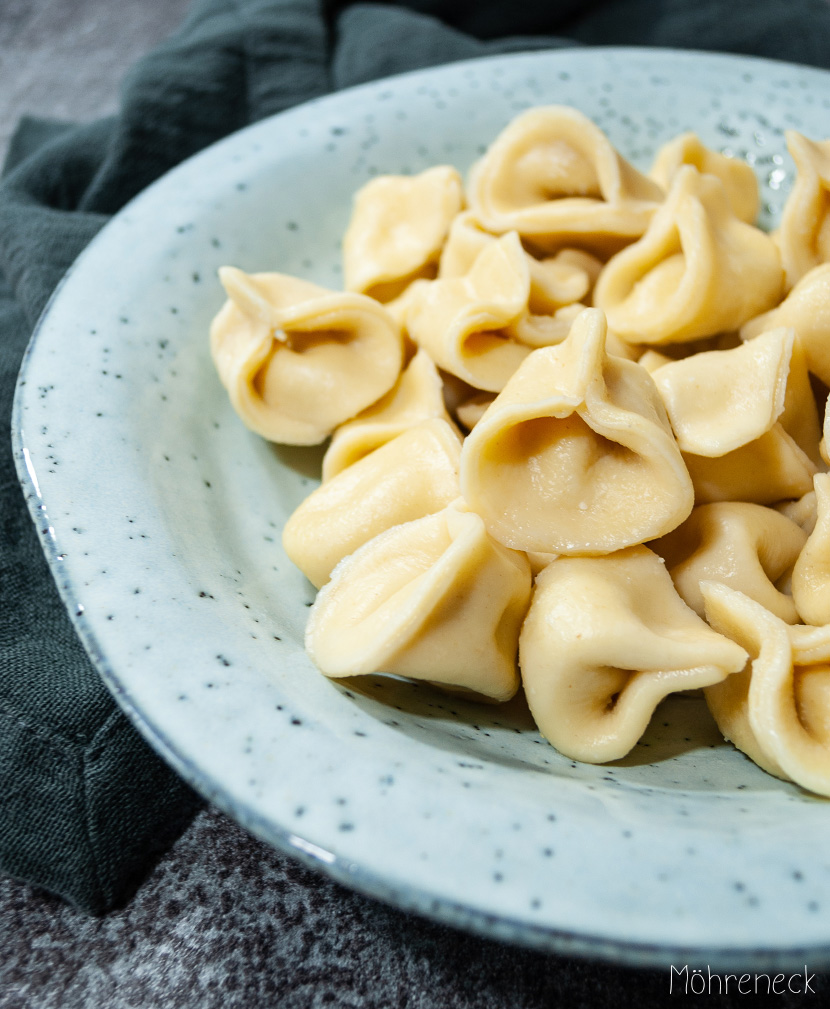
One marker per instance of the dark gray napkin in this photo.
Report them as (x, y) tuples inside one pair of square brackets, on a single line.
[(86, 805)]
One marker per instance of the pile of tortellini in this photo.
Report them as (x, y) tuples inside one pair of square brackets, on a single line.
[(576, 437)]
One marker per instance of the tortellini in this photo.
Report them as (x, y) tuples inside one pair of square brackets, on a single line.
[(561, 279), (397, 230), (463, 322), (737, 176), (605, 640), (643, 444), (802, 511), (749, 547), (804, 236), (777, 709), (435, 599), (698, 269), (745, 419), (576, 454), (807, 310), (417, 395), (723, 399), (412, 475), (811, 575), (554, 177), (298, 360)]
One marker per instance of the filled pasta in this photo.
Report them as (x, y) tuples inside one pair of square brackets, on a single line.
[(296, 359), (398, 227), (747, 546), (575, 455), (412, 475), (720, 400), (698, 269), (417, 395), (604, 641), (462, 322), (553, 176), (807, 310), (811, 575), (766, 471), (737, 176), (804, 235), (435, 599), (645, 437), (777, 709), (564, 278)]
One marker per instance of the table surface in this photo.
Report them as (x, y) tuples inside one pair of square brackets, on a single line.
[(223, 920)]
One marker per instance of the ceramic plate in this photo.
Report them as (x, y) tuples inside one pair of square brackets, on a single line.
[(161, 516)]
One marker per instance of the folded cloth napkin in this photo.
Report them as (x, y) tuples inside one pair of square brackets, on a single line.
[(86, 804)]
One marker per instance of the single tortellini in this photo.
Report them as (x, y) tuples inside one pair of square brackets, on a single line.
[(561, 279), (413, 475), (737, 176), (811, 575), (298, 360), (553, 176), (417, 395), (397, 229), (745, 419), (807, 309), (804, 235), (697, 271), (435, 599), (720, 400), (777, 709), (604, 641), (462, 322), (576, 456), (747, 546)]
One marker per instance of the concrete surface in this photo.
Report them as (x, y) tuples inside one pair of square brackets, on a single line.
[(64, 59)]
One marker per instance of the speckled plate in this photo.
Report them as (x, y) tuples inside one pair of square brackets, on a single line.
[(161, 517)]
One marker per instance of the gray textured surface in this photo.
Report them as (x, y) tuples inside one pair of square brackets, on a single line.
[(226, 922), (64, 59)]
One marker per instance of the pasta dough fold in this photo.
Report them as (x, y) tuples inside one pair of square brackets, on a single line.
[(698, 270), (561, 279), (462, 322), (435, 599), (766, 471), (807, 309), (746, 546), (604, 641), (720, 400), (553, 176), (745, 419), (397, 229), (296, 359), (804, 235), (811, 575), (417, 395), (412, 475), (737, 176), (576, 455), (777, 709)]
